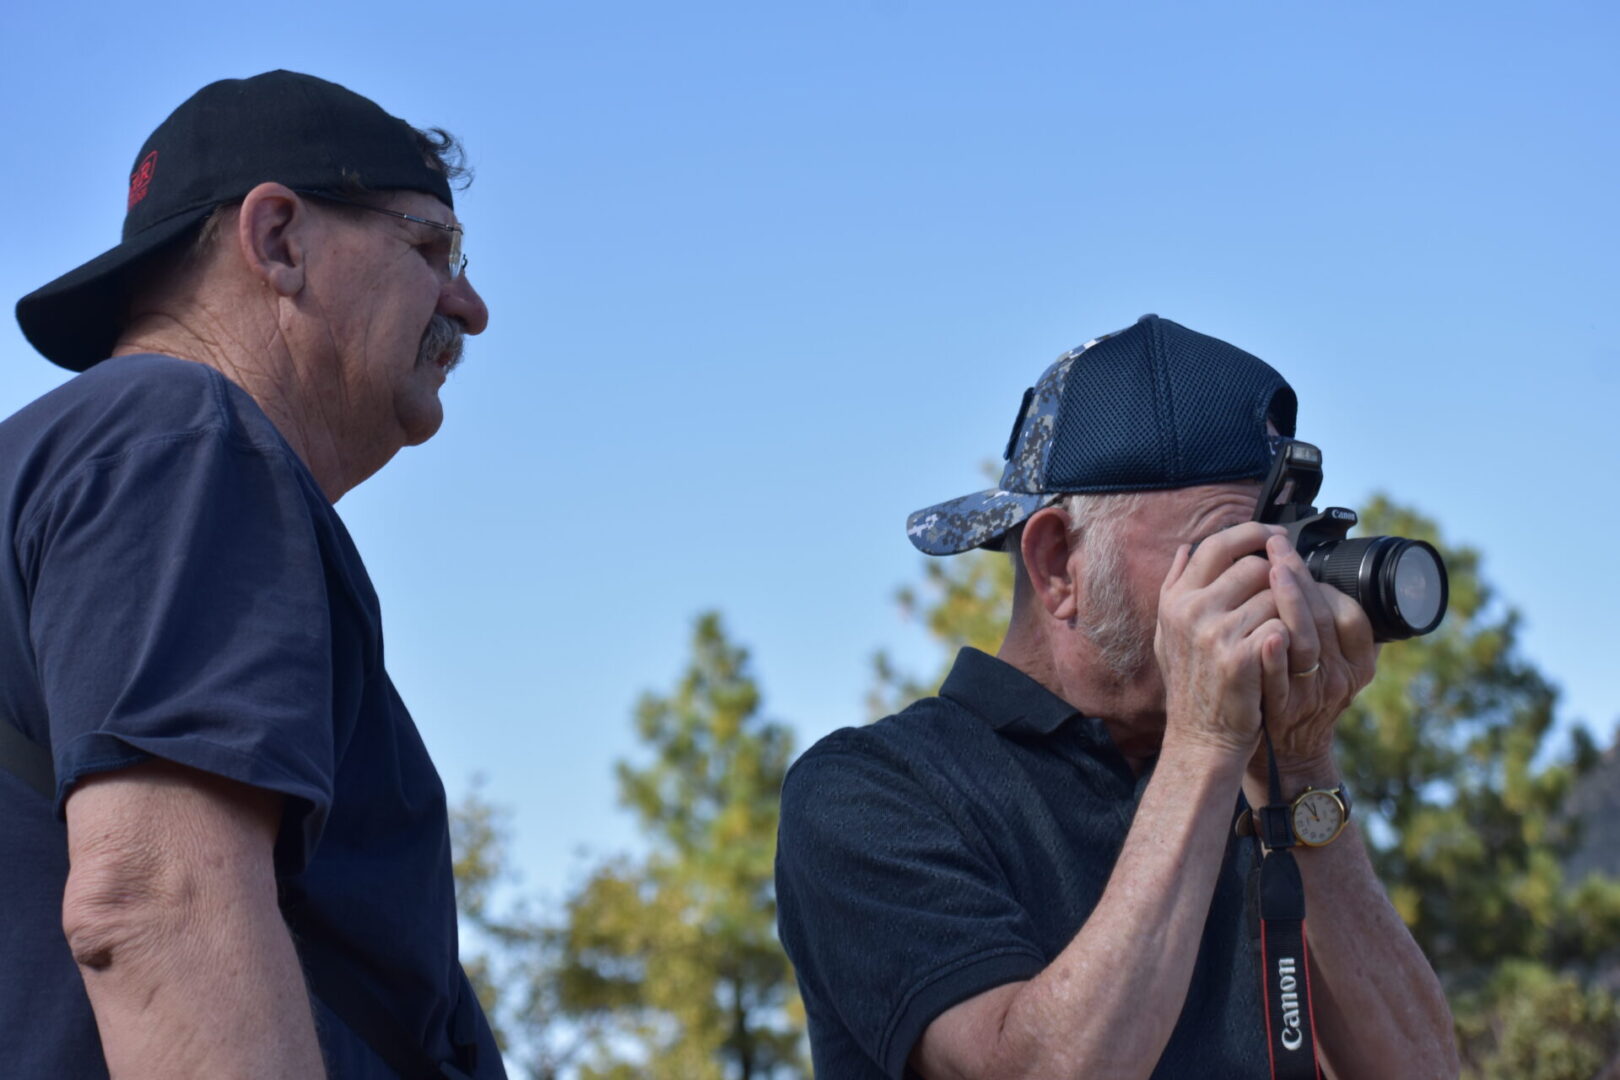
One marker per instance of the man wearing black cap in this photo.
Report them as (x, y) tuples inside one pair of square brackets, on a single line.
[(226, 850), (1035, 874)]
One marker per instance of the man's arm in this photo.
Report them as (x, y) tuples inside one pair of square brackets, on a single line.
[(170, 910), (1107, 1005), (1110, 1001), (1379, 1009)]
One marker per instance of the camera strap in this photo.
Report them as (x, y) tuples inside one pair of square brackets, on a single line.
[(1284, 955)]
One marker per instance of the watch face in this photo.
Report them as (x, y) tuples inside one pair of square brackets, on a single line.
[(1318, 817)]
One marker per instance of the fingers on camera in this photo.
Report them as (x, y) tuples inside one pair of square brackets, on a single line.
[(1218, 553)]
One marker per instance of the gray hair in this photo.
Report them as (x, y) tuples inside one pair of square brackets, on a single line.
[(1108, 616)]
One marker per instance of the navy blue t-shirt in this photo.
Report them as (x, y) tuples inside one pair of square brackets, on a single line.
[(175, 585), (960, 845)]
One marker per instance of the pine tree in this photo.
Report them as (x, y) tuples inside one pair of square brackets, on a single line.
[(964, 601), (666, 966), (683, 943)]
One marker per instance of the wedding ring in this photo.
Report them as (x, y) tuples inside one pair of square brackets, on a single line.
[(1308, 672)]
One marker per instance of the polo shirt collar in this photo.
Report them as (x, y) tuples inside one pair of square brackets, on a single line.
[(1004, 697)]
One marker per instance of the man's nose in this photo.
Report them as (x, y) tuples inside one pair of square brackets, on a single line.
[(461, 302)]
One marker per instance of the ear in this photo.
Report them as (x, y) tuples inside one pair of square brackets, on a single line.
[(271, 234), (1046, 549)]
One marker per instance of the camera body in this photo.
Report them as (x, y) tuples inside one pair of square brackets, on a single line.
[(1401, 584)]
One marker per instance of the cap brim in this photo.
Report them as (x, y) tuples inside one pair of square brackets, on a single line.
[(74, 321), (977, 520)]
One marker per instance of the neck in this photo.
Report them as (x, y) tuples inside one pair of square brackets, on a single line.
[(269, 375), (1066, 662)]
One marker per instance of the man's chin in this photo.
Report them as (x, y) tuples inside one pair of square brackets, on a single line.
[(422, 420)]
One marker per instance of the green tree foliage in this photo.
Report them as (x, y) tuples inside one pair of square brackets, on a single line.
[(1529, 1023), (478, 841), (1447, 755), (664, 966), (1446, 752), (963, 600), (509, 951)]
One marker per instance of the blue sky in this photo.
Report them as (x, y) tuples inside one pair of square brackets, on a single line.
[(764, 278)]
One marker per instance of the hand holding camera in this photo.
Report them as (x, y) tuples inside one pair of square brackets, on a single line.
[(1338, 598), (1295, 631), (1218, 620), (1330, 656)]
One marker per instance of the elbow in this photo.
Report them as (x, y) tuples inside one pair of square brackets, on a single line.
[(160, 857), (989, 1038), (117, 908)]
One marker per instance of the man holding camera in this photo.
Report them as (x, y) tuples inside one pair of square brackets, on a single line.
[(227, 851), (1037, 873)]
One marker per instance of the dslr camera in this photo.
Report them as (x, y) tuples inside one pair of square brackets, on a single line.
[(1401, 584)]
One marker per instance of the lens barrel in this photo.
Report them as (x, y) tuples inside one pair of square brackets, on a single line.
[(1401, 584)]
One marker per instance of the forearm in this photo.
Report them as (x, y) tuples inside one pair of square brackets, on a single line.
[(1378, 1006), (1109, 1002)]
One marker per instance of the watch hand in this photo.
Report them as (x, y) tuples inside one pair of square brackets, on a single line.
[(1314, 814)]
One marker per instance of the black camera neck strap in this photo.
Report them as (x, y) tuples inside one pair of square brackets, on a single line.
[(1284, 955)]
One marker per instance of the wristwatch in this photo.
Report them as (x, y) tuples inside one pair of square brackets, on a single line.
[(1314, 819)]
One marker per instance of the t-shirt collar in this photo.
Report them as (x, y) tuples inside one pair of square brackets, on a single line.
[(1004, 697)]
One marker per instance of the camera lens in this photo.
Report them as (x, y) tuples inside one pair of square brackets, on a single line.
[(1401, 584), (1420, 586)]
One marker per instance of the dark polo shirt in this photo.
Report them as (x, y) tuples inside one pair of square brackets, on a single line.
[(959, 846), (174, 584)]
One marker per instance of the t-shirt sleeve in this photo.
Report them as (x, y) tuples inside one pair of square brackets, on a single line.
[(179, 611), (888, 911)]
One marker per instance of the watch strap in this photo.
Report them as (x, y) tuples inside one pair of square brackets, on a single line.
[(1275, 823)]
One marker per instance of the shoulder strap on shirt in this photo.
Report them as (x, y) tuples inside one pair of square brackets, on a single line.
[(331, 978)]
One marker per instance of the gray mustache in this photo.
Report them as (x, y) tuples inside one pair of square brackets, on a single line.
[(442, 338)]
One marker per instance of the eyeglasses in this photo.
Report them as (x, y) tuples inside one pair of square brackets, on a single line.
[(458, 261)]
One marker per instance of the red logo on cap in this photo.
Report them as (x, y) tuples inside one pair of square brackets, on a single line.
[(141, 179)]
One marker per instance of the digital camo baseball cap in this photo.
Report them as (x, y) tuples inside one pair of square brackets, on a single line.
[(1150, 407), (222, 142)]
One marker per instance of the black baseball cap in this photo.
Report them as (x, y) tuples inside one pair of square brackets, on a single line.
[(1150, 407), (223, 141)]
